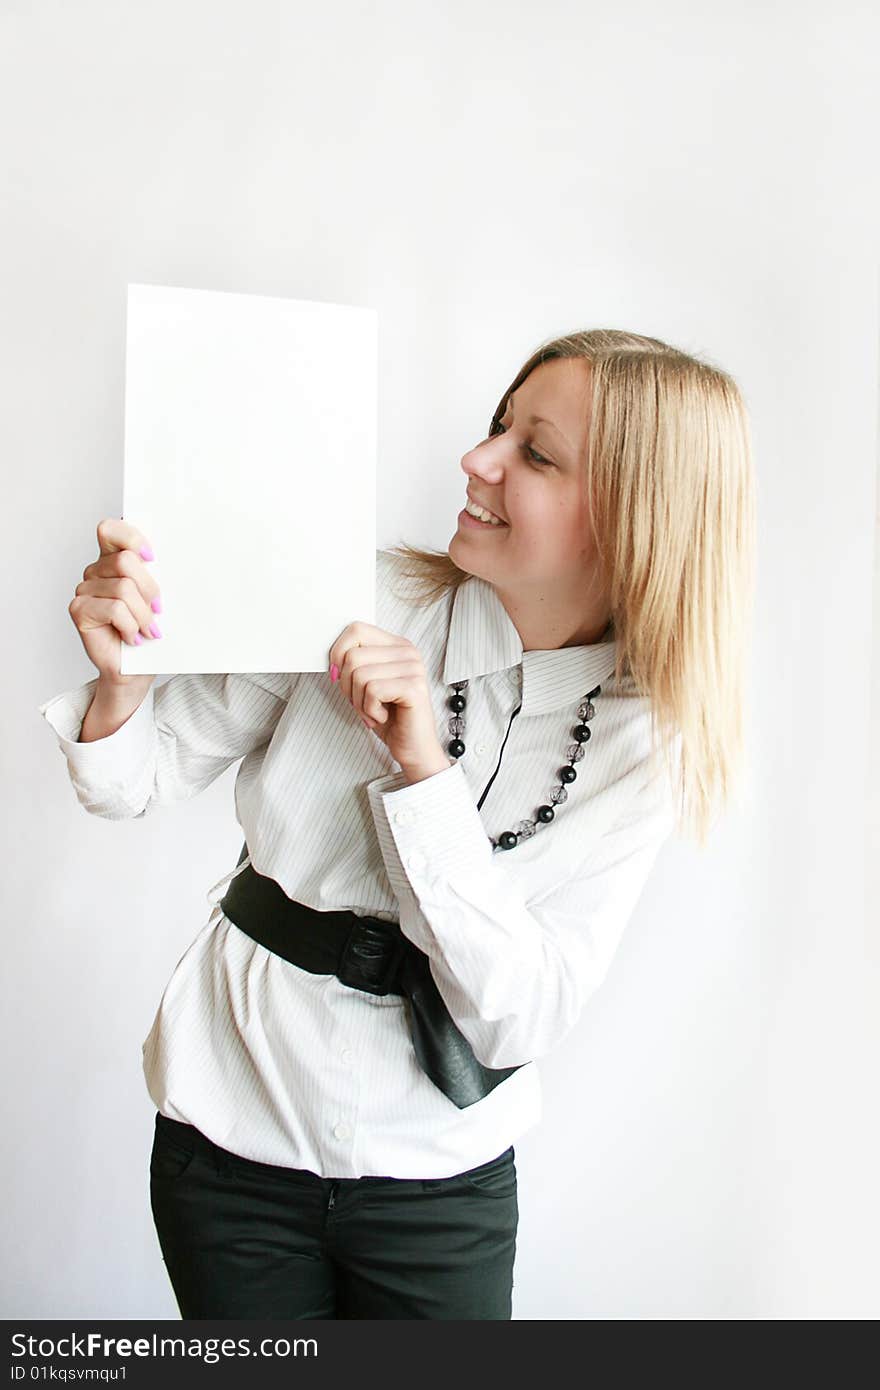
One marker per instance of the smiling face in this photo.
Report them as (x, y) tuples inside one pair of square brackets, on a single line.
[(542, 562)]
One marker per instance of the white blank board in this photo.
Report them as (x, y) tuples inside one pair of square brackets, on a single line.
[(250, 466)]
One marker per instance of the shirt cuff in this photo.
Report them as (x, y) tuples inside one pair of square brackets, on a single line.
[(116, 759), (428, 830)]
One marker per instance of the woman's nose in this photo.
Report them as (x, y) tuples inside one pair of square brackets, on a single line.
[(484, 462)]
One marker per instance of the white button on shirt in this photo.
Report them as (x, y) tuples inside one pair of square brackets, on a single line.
[(292, 1068)]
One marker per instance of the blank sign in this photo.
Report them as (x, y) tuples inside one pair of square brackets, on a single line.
[(250, 465)]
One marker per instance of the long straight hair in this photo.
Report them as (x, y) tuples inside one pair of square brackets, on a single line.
[(670, 479)]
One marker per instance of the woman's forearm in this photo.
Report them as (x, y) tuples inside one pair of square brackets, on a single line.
[(112, 705)]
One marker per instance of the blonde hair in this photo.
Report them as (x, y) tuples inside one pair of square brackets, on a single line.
[(670, 479)]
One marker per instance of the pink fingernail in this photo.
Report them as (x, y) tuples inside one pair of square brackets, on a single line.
[(138, 639), (156, 604), (154, 628), (146, 553), (334, 672)]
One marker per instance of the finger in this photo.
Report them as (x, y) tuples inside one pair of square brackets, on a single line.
[(364, 667), (360, 634), (117, 534), (125, 564), (88, 612), (128, 591), (375, 687), (355, 656)]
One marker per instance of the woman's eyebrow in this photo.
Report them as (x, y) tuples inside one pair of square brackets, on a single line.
[(540, 420)]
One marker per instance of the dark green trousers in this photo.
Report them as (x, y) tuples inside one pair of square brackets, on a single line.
[(242, 1239)]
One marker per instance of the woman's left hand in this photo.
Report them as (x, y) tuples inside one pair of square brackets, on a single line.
[(384, 678)]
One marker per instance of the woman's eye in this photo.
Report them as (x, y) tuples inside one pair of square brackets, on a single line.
[(538, 458)]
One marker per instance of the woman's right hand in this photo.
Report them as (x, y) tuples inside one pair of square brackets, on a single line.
[(113, 602)]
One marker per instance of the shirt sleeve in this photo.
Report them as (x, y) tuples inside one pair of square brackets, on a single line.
[(514, 975), (178, 740)]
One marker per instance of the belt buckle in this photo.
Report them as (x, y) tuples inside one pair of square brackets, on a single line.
[(371, 955)]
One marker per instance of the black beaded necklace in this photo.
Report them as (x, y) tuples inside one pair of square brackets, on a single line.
[(509, 839)]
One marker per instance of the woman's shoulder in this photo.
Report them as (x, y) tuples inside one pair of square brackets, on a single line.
[(403, 607), (398, 586)]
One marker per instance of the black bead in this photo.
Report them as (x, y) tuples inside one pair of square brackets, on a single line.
[(509, 839)]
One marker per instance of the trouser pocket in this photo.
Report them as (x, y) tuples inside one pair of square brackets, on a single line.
[(173, 1151), (497, 1178)]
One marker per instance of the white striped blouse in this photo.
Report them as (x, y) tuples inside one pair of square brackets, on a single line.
[(292, 1068)]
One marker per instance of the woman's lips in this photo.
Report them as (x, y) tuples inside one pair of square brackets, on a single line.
[(465, 519)]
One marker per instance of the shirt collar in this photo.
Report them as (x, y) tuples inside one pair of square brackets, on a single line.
[(483, 638)]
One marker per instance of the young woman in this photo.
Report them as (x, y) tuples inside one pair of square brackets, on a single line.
[(445, 836)]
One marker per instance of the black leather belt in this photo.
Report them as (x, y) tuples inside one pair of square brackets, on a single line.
[(365, 953)]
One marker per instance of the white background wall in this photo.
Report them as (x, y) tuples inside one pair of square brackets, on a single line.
[(486, 175)]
